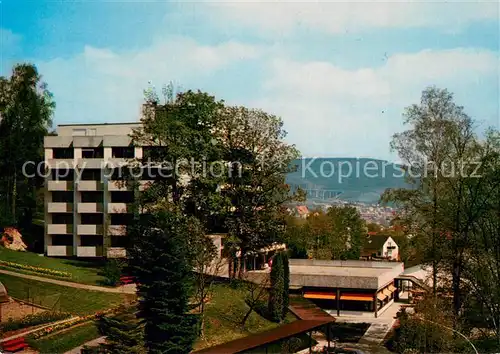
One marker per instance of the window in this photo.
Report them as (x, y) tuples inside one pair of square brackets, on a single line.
[(119, 241), (61, 174), (79, 132), (122, 197), (91, 219), (121, 219), (62, 153), (62, 197), (92, 197), (93, 153), (62, 240), (91, 240), (123, 152), (89, 174), (62, 218)]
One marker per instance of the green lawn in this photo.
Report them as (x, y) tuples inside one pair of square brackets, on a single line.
[(224, 313), (62, 298), (62, 342), (81, 271)]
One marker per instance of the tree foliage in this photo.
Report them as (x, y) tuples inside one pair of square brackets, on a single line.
[(26, 108), (277, 291), (336, 234), (452, 210), (161, 264), (123, 332)]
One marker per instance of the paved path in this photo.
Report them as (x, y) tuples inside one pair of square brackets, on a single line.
[(125, 289), (92, 343)]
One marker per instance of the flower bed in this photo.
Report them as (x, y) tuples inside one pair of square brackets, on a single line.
[(57, 273), (33, 320), (77, 320)]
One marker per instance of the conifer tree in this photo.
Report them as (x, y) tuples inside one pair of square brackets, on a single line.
[(160, 262), (286, 284), (124, 334), (276, 300)]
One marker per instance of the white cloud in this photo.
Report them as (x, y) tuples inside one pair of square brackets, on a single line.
[(329, 110), (283, 17), (102, 85)]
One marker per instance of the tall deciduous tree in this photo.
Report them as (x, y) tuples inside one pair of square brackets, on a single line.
[(259, 160), (26, 108), (426, 148)]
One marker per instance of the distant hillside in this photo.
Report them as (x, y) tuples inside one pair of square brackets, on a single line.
[(361, 180)]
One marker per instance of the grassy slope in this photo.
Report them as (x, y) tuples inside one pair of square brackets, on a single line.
[(76, 301), (62, 342), (81, 271), (224, 313)]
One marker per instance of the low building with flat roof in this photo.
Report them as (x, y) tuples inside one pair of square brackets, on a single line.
[(343, 285)]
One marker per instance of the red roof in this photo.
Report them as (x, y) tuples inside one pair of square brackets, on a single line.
[(302, 210)]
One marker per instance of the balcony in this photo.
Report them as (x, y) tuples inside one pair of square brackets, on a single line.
[(59, 229), (89, 251), (96, 163), (118, 208), (117, 230), (61, 163), (59, 207), (60, 185), (116, 185), (59, 251), (89, 229), (90, 208), (116, 252), (115, 162), (89, 185), (145, 184)]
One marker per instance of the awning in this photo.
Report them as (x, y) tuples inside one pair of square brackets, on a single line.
[(386, 292), (392, 288), (356, 297), (381, 296), (319, 295)]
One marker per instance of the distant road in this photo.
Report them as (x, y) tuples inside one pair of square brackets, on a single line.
[(126, 289)]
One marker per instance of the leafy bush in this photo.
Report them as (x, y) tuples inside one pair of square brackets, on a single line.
[(33, 320), (112, 272)]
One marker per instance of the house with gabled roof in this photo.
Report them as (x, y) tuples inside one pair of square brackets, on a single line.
[(379, 246)]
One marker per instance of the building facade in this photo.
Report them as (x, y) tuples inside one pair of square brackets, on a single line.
[(86, 206)]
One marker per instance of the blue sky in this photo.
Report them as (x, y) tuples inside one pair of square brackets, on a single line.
[(338, 73)]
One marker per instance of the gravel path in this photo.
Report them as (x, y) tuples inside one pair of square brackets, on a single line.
[(125, 289)]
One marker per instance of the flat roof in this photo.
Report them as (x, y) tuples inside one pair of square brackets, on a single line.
[(87, 124), (337, 271), (312, 273)]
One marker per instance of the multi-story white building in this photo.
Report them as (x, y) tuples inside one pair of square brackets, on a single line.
[(86, 207)]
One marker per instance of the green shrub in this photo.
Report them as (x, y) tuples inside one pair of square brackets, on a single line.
[(33, 320), (112, 272)]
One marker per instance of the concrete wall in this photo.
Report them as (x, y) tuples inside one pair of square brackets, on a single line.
[(100, 129), (352, 263), (333, 281)]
